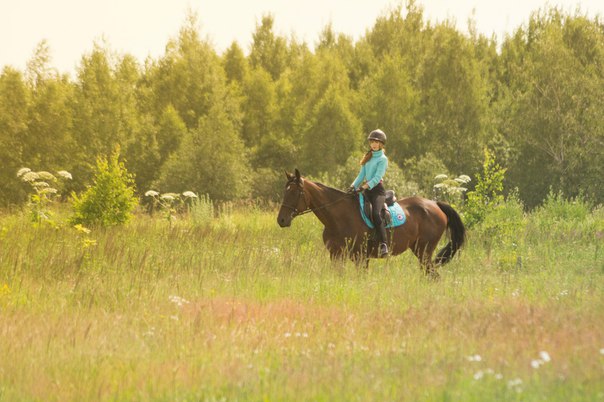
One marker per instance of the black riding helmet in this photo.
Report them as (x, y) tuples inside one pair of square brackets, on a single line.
[(377, 135)]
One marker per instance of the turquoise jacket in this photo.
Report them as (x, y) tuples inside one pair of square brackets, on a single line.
[(373, 171)]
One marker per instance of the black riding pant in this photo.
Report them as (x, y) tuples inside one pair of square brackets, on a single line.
[(377, 197)]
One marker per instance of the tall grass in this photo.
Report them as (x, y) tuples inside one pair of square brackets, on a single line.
[(236, 308)]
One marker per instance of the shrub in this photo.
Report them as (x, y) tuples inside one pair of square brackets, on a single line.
[(502, 232), (488, 193), (110, 201)]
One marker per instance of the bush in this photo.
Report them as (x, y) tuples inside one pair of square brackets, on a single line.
[(488, 193), (564, 219), (502, 232), (110, 201)]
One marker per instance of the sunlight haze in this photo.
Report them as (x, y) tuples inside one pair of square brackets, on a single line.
[(143, 27)]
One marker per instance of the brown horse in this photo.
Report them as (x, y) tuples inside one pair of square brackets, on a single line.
[(347, 235)]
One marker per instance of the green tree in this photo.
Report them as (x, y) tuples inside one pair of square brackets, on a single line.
[(269, 51), (235, 64), (259, 107), (332, 134), (211, 160), (110, 200), (15, 99), (553, 108)]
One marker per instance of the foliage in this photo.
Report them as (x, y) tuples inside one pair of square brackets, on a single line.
[(210, 160), (169, 203), (442, 95), (502, 232), (110, 200), (44, 187), (422, 170), (488, 193), (450, 190)]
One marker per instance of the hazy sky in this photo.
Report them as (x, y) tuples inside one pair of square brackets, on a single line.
[(143, 27)]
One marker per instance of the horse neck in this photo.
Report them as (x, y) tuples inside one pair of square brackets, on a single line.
[(330, 206)]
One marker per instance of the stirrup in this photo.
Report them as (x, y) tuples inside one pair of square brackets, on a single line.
[(383, 250)]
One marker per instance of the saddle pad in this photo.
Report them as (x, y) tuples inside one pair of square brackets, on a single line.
[(396, 212)]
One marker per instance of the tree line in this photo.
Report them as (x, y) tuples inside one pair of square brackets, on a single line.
[(228, 125)]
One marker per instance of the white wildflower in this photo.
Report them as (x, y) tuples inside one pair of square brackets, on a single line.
[(65, 174), (536, 363), (179, 301), (22, 171), (287, 334), (441, 177), (474, 358), (169, 196), (189, 194), (465, 178), (498, 376), (515, 383), (40, 184), (545, 357), (151, 193), (30, 176), (46, 176), (602, 351), (479, 374), (48, 190), (439, 185)]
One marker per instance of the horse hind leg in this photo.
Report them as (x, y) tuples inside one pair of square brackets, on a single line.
[(424, 251)]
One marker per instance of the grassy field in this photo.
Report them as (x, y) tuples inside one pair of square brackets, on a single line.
[(238, 309)]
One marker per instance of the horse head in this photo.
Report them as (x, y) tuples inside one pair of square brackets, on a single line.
[(294, 201)]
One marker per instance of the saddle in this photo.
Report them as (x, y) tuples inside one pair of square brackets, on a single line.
[(385, 212)]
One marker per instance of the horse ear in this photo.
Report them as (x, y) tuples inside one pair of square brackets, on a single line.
[(289, 175), (297, 174)]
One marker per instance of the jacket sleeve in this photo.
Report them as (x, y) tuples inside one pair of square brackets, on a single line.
[(357, 182), (379, 173)]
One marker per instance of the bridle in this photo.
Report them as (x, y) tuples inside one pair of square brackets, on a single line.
[(307, 208)]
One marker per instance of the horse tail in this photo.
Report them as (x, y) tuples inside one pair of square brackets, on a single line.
[(458, 234)]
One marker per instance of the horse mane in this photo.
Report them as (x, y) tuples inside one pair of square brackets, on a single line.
[(325, 187)]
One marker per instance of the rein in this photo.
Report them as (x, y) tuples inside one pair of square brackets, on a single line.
[(307, 209)]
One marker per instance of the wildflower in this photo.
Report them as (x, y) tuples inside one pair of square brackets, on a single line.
[(515, 383), (168, 196), (65, 174), (545, 356), (179, 301), (478, 375), (189, 194), (81, 228), (536, 363), (22, 171), (474, 358), (441, 177), (151, 193), (602, 351), (288, 334), (49, 190), (464, 178), (30, 176), (47, 176), (40, 184), (439, 185)]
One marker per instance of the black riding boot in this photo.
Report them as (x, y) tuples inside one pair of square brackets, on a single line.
[(383, 248)]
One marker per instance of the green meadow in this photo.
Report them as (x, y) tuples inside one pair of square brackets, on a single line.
[(234, 308)]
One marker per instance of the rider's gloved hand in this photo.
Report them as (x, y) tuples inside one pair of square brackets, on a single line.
[(351, 190)]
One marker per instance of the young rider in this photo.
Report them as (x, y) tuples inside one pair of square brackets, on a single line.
[(373, 168)]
